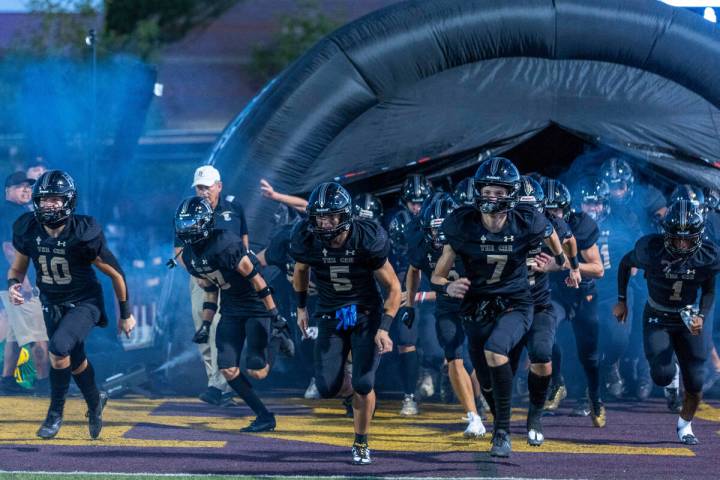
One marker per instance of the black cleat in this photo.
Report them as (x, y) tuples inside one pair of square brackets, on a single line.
[(501, 445), (643, 390), (261, 424), (581, 408), (689, 439), (51, 425), (534, 427), (95, 422), (614, 384), (361, 454), (203, 334), (212, 395), (558, 393)]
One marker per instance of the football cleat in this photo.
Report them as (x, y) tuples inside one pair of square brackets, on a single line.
[(361, 454), (51, 425), (261, 424), (475, 428), (409, 406), (501, 445), (95, 422), (597, 413), (427, 386), (312, 393), (581, 408), (674, 403), (614, 382), (203, 334), (534, 426), (558, 393)]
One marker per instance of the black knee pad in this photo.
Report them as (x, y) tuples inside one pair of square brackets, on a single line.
[(662, 375), (255, 362), (541, 352), (325, 390), (60, 345), (363, 385)]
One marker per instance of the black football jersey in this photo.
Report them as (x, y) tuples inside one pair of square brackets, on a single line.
[(540, 281), (63, 265), (216, 261), (423, 256), (673, 284), (586, 234), (344, 276), (496, 263)]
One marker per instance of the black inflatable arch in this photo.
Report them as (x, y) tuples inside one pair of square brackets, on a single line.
[(429, 79)]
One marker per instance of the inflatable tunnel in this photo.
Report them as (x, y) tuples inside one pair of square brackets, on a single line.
[(437, 84)]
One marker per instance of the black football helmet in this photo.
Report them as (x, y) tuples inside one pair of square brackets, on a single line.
[(432, 217), (501, 172), (617, 173), (712, 198), (593, 192), (557, 195), (329, 198), (367, 205), (691, 193), (398, 230), (531, 192), (54, 183), (683, 221), (415, 189), (194, 220), (464, 193)]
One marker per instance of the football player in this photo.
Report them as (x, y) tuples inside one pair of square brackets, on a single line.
[(63, 247), (348, 256), (493, 240), (220, 262), (678, 265)]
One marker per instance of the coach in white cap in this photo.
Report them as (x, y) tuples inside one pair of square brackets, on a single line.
[(229, 215)]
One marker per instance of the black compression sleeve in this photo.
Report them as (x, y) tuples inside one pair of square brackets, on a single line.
[(707, 298), (624, 275)]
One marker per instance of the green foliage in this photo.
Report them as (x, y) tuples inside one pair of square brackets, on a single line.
[(298, 33)]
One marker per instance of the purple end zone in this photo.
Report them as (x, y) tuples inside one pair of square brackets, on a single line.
[(646, 425)]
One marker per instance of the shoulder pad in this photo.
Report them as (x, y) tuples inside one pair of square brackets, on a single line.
[(23, 224), (647, 248), (371, 237), (86, 227)]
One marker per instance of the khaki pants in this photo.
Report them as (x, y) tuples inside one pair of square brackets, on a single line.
[(25, 322), (208, 351)]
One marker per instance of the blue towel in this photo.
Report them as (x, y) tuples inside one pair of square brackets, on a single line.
[(347, 317)]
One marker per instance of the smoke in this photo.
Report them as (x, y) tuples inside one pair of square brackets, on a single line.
[(184, 357)]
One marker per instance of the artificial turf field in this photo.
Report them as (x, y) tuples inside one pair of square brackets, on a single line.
[(184, 437)]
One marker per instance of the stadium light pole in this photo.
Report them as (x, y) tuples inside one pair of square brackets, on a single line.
[(91, 41)]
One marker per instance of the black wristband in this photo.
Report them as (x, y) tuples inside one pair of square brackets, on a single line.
[(574, 263), (386, 322), (210, 306), (125, 310), (441, 289), (560, 259), (12, 281), (264, 292), (302, 299), (273, 312)]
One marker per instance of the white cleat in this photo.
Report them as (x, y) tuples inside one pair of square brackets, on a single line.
[(312, 392), (535, 437), (409, 406), (475, 428)]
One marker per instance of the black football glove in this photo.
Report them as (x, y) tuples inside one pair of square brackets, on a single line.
[(281, 332), (406, 315), (203, 333)]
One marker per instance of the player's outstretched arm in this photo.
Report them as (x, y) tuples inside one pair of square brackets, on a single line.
[(298, 203), (439, 280)]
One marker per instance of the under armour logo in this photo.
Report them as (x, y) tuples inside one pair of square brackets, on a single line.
[(690, 271), (324, 252), (509, 238), (653, 320), (61, 244), (38, 240), (204, 261), (349, 252)]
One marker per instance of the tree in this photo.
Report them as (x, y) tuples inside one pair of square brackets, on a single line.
[(298, 33)]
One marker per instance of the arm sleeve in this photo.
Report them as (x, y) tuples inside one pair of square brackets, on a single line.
[(707, 297), (626, 264), (107, 256)]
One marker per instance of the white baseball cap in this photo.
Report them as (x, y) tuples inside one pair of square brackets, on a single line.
[(207, 175)]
